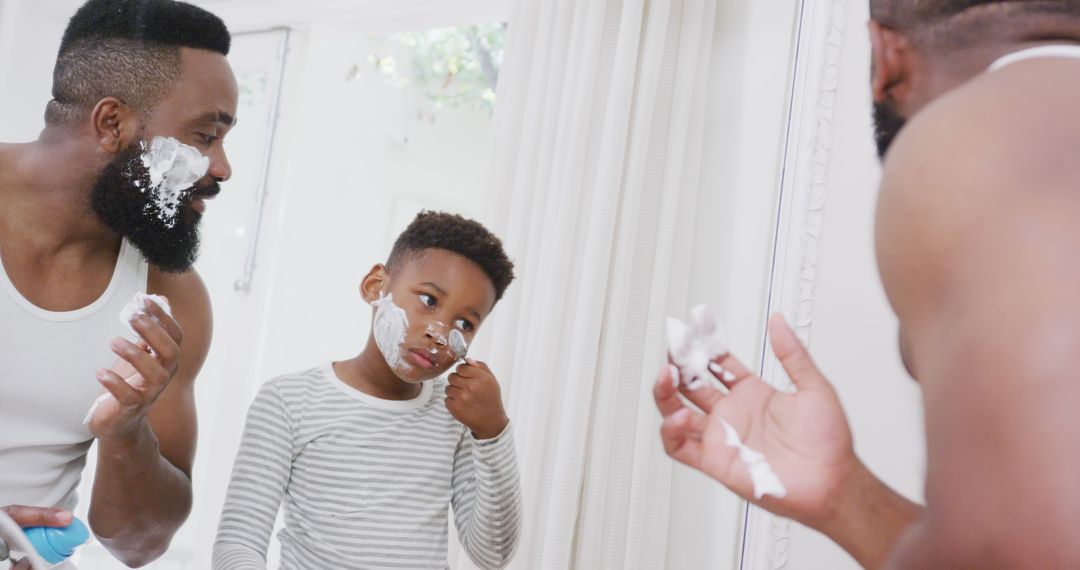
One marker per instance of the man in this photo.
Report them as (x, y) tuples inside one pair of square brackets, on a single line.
[(978, 228), (80, 233)]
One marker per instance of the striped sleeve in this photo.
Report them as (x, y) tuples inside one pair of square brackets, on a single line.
[(258, 482), (487, 498)]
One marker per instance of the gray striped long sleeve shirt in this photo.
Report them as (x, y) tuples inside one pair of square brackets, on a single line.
[(366, 482)]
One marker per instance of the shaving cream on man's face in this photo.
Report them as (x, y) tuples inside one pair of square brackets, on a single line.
[(173, 168)]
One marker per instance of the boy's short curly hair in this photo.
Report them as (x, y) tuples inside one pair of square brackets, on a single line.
[(919, 13), (454, 233)]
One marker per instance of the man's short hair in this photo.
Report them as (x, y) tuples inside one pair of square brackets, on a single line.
[(909, 13), (465, 237), (128, 49)]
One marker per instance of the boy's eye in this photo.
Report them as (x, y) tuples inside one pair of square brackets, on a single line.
[(427, 299), (464, 325)]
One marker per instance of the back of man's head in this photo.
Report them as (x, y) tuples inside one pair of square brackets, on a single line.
[(937, 25), (901, 12), (128, 49)]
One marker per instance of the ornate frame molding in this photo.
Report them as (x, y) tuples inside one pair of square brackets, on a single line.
[(816, 69)]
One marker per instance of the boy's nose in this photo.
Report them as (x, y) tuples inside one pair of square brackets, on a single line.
[(437, 332)]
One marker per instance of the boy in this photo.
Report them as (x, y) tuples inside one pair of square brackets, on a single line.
[(369, 452)]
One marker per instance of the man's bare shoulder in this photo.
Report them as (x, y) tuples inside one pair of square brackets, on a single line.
[(978, 224), (993, 161), (1007, 130)]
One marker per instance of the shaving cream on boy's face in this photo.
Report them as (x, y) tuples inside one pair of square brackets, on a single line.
[(389, 327), (434, 354)]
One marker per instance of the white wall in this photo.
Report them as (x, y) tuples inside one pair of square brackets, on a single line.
[(29, 38)]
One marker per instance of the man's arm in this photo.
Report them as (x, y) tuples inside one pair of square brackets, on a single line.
[(978, 235), (142, 489)]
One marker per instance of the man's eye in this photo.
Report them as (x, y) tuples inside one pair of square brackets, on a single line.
[(207, 139), (427, 300), (464, 325)]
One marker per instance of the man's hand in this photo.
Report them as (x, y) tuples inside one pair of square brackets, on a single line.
[(141, 374), (473, 397), (27, 517), (803, 435)]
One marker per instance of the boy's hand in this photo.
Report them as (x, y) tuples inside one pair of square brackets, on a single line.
[(474, 399)]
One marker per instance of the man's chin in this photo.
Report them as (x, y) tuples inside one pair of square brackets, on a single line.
[(192, 217), (167, 256), (888, 123), (169, 266)]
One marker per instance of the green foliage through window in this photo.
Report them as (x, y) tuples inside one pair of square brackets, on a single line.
[(453, 67)]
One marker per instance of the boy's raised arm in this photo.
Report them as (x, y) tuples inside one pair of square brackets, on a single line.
[(487, 498)]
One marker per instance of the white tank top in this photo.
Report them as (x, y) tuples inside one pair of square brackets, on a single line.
[(47, 385), (1055, 50)]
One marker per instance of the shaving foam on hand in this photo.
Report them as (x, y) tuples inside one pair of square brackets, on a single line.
[(132, 309), (135, 307), (694, 347), (765, 480)]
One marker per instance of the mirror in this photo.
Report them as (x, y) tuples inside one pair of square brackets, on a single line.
[(352, 120), (824, 277)]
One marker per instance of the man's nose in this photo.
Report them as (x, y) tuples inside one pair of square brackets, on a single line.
[(220, 169)]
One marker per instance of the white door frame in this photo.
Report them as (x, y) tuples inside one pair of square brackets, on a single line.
[(816, 72)]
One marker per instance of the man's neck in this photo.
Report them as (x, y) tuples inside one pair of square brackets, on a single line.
[(45, 191), (945, 72)]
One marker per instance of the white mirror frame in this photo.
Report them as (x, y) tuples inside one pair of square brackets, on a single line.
[(816, 70)]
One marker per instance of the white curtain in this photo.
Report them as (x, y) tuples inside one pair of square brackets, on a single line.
[(599, 126)]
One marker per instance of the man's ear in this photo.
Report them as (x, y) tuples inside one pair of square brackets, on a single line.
[(374, 283), (891, 63), (115, 125)]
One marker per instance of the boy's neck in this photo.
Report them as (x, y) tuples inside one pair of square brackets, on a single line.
[(369, 373)]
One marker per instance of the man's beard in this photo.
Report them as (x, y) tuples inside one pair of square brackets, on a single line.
[(124, 202), (887, 124)]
